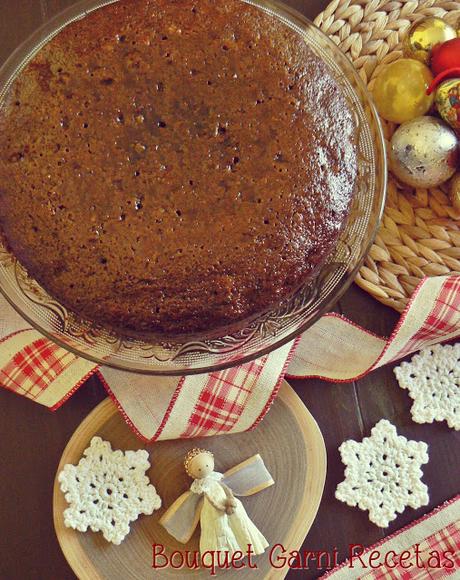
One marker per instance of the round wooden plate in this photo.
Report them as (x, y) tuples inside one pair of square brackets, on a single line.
[(288, 440)]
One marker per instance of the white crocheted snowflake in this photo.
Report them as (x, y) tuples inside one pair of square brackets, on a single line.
[(383, 474), (432, 379), (107, 490)]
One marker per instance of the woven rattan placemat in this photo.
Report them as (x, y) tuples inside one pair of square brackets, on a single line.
[(420, 232)]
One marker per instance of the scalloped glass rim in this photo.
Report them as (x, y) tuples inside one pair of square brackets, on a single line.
[(271, 329)]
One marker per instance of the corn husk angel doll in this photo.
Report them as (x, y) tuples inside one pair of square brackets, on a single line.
[(225, 525)]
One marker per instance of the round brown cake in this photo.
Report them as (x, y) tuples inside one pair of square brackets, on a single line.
[(174, 166)]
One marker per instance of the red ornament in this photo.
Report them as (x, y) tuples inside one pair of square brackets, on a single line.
[(445, 56)]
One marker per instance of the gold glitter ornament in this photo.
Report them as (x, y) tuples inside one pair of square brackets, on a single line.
[(399, 91), (424, 35), (423, 152), (455, 191)]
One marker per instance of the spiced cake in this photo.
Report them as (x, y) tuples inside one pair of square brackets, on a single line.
[(174, 166)]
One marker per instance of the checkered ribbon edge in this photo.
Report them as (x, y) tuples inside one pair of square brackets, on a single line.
[(426, 548), (235, 399)]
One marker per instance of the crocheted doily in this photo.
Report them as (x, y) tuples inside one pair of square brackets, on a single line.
[(107, 490), (432, 378), (383, 474)]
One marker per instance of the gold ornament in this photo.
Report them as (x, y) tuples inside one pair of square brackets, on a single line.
[(400, 90), (424, 35), (423, 152), (448, 102), (455, 191)]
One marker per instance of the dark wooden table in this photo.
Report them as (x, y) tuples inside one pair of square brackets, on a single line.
[(32, 439)]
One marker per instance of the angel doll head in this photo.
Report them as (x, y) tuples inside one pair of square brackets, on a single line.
[(199, 463)]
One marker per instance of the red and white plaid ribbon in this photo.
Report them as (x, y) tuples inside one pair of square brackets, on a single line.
[(426, 548), (235, 399)]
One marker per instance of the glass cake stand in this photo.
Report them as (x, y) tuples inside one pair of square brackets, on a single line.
[(198, 354)]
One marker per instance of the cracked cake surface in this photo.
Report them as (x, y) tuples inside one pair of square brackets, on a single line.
[(174, 166)]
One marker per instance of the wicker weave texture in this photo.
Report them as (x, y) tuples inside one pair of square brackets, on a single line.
[(420, 232)]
